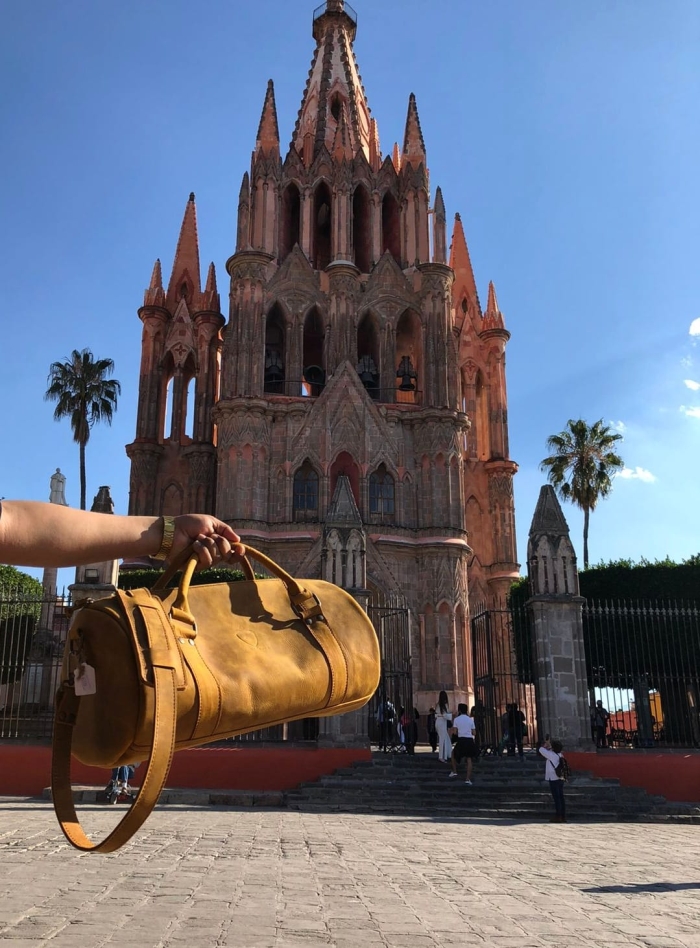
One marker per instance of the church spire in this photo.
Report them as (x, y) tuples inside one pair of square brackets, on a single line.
[(413, 144), (493, 318), (154, 294), (185, 280), (439, 228), (334, 83), (268, 140), (464, 287)]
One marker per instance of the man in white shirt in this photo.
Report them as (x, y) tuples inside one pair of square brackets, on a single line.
[(465, 729), (551, 751)]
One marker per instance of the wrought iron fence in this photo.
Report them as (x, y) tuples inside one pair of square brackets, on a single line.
[(394, 696), (32, 632), (643, 662), (504, 695)]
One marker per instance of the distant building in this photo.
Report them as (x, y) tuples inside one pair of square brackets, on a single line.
[(356, 357)]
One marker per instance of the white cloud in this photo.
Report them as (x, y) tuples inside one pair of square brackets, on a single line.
[(695, 327), (637, 474), (618, 426), (690, 412), (693, 386)]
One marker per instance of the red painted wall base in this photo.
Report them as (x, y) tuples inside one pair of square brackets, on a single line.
[(26, 769), (674, 776)]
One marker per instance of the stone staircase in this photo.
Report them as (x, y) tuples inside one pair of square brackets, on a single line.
[(503, 788)]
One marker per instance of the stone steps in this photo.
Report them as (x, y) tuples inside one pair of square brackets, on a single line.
[(503, 788)]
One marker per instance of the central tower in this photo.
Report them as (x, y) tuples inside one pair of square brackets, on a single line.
[(350, 417)]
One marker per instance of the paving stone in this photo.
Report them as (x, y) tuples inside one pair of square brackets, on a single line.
[(284, 879)]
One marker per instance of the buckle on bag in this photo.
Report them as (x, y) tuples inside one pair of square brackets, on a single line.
[(308, 608)]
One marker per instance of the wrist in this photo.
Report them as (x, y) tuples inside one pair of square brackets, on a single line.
[(167, 535)]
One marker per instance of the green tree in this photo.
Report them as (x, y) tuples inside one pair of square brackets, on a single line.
[(582, 465), (20, 608), (83, 392)]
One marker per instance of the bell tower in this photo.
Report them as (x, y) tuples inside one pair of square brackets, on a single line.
[(350, 417)]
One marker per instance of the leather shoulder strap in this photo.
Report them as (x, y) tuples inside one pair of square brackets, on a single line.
[(165, 719)]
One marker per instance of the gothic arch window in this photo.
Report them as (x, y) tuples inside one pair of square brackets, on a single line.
[(171, 505), (322, 230), (336, 105), (409, 358), (189, 408), (274, 352), (305, 503), (290, 220), (368, 355), (167, 410), (313, 369), (361, 229), (381, 494), (391, 227)]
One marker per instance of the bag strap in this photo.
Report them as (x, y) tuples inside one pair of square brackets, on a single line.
[(165, 719)]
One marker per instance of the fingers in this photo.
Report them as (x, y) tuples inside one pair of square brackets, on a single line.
[(215, 549)]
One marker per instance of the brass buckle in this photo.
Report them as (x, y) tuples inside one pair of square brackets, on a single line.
[(303, 613)]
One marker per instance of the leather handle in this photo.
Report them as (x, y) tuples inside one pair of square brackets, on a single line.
[(303, 602), (182, 558)]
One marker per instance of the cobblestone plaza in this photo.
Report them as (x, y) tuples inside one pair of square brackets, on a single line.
[(255, 878)]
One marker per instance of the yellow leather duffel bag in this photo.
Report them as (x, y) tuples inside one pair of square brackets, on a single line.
[(147, 673)]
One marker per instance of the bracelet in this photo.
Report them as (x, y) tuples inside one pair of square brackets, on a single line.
[(166, 544)]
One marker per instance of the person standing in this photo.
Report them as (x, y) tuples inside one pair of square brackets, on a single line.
[(465, 729), (443, 720), (516, 730), (552, 753), (432, 732), (601, 716)]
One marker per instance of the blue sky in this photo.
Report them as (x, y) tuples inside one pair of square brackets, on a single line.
[(565, 133)]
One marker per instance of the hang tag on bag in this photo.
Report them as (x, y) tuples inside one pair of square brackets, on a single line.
[(84, 680)]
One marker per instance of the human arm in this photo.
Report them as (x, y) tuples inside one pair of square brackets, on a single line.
[(549, 754), (49, 535)]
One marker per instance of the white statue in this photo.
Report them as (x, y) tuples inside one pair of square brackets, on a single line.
[(58, 488)]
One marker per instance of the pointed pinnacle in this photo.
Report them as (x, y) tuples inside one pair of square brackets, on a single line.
[(375, 152), (211, 279), (342, 148), (156, 277), (268, 139), (492, 303), (413, 144), (396, 157), (439, 204), (186, 260), (244, 193), (461, 263)]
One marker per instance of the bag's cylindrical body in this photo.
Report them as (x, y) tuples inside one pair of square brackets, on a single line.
[(248, 662)]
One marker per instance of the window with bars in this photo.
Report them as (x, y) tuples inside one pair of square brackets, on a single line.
[(381, 493), (306, 493)]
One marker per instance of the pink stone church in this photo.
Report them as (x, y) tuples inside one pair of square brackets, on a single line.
[(349, 414)]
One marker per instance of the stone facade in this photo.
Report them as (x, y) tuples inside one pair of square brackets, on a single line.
[(353, 350), (557, 616)]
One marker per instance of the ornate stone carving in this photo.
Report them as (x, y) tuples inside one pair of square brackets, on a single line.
[(236, 429), (500, 488)]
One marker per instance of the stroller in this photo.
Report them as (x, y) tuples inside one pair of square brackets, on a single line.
[(118, 789)]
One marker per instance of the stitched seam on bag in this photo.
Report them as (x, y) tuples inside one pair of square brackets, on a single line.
[(220, 707), (345, 660)]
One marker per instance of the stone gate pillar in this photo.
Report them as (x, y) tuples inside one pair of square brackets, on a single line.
[(557, 613)]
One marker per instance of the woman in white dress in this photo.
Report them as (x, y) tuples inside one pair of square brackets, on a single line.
[(443, 720)]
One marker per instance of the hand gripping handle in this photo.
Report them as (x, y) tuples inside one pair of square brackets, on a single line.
[(304, 602)]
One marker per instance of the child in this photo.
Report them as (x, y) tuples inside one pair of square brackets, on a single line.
[(551, 751)]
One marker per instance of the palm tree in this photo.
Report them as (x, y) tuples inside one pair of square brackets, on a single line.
[(83, 392), (582, 466)]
